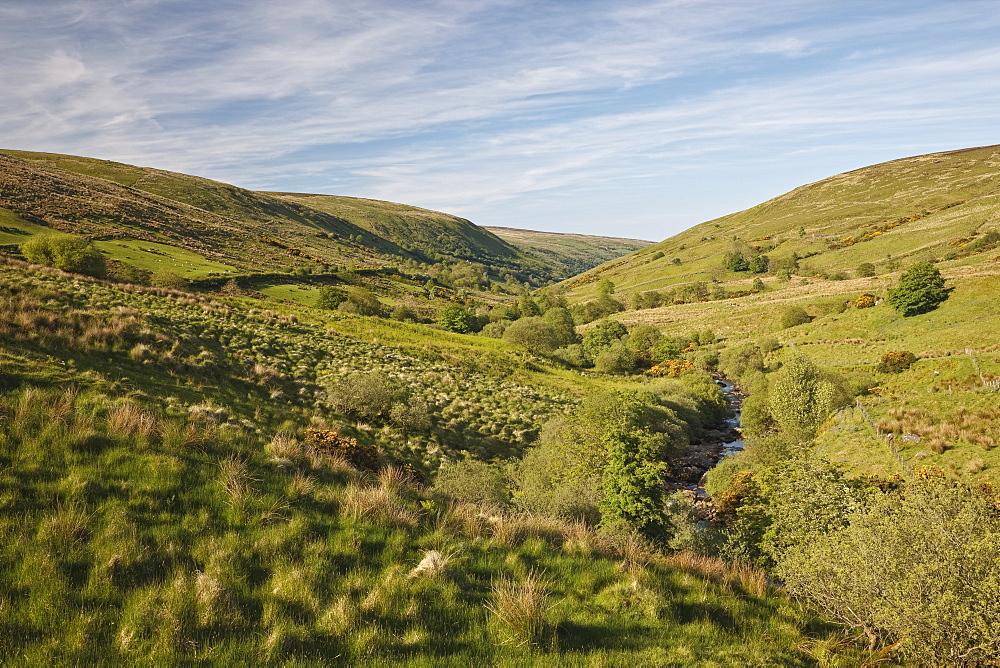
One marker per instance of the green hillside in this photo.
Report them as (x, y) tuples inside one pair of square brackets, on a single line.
[(932, 206), (107, 200), (574, 253), (255, 431), (429, 233)]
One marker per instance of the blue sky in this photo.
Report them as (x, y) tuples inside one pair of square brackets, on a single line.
[(628, 118)]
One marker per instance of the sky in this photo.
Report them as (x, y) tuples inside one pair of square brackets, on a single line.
[(633, 118)]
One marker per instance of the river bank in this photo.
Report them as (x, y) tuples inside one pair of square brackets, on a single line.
[(687, 472)]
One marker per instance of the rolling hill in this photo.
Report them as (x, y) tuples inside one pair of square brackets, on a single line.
[(937, 206), (575, 253)]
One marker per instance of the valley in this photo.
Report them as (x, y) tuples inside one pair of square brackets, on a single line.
[(263, 427)]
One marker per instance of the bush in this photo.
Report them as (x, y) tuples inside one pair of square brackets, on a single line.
[(800, 398), (364, 395), (474, 481), (330, 297), (362, 302), (866, 300), (64, 251), (920, 567), (495, 329), (532, 334), (760, 264), (574, 355), (602, 335), (921, 289), (617, 358), (895, 361), (563, 327), (866, 269), (794, 316), (456, 318)]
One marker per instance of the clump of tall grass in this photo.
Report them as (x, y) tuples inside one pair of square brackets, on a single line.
[(519, 609)]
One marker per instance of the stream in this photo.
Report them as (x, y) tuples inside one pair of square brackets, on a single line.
[(687, 472)]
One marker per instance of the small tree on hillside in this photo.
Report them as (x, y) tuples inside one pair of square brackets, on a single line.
[(921, 289), (456, 318), (65, 251)]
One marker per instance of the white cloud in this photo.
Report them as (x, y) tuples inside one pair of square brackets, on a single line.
[(461, 104)]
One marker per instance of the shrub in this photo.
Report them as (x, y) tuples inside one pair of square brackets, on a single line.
[(866, 269), (617, 358), (404, 314), (332, 443), (574, 355), (362, 302), (794, 316), (759, 264), (603, 335), (921, 289), (670, 368), (456, 318), (800, 398), (364, 395), (643, 337), (895, 361), (64, 251), (919, 567), (563, 327), (495, 329), (330, 297), (476, 482), (533, 334), (867, 300)]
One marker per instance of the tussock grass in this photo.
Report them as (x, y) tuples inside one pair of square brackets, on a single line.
[(519, 609)]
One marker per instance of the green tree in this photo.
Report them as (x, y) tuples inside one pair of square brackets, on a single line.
[(456, 318), (866, 269), (362, 301), (602, 335), (799, 397), (759, 264), (533, 334), (65, 251), (921, 289), (605, 287), (330, 297), (561, 322)]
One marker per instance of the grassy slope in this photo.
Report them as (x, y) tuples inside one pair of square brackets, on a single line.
[(149, 516), (575, 253), (251, 231), (428, 232), (944, 200)]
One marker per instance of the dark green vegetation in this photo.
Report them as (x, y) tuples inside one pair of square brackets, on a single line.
[(409, 459)]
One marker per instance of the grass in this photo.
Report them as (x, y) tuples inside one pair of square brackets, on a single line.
[(163, 551), (15, 230), (154, 257), (910, 209)]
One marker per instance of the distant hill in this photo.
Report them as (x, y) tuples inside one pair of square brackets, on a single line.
[(575, 253), (429, 233), (157, 219), (242, 229), (936, 206)]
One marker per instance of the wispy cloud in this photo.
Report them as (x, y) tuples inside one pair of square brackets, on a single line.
[(478, 106)]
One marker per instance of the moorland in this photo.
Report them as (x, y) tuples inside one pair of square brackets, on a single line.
[(252, 427)]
